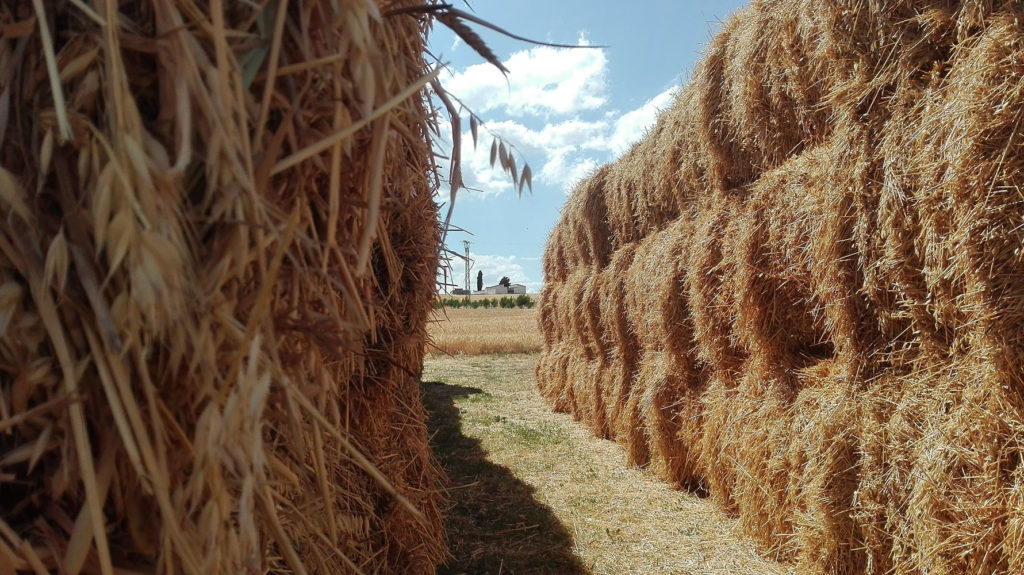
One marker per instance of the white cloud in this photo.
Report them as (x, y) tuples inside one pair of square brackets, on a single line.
[(633, 125), (553, 105), (559, 153), (540, 81), (496, 267), (567, 169)]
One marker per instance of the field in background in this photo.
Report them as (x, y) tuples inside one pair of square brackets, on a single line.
[(482, 331)]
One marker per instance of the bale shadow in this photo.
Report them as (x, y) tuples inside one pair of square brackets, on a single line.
[(494, 522)]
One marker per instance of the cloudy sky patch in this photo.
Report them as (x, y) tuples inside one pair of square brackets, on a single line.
[(554, 116), (563, 111)]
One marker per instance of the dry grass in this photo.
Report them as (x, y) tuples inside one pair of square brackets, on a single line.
[(534, 492), (481, 331)]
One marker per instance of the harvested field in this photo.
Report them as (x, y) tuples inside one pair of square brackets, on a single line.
[(217, 261), (812, 300), (482, 331), (533, 492)]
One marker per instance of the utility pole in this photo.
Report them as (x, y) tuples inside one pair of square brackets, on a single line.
[(469, 265)]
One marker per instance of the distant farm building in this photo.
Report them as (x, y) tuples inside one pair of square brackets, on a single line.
[(500, 289)]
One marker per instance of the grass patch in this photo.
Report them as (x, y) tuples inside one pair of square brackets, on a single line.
[(495, 522), (482, 397), (532, 491), (537, 434)]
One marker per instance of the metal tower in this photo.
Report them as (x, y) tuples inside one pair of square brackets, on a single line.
[(469, 265)]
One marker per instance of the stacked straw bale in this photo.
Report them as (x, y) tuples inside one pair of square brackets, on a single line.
[(217, 256), (813, 291)]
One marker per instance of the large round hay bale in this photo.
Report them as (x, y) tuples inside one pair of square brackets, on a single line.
[(555, 262), (218, 257), (619, 338), (745, 437), (824, 471), (642, 299), (586, 215), (708, 286), (671, 411)]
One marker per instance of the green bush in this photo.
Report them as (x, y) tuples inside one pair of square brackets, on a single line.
[(524, 301), (520, 301)]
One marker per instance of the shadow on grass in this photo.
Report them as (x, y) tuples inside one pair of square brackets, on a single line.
[(494, 523)]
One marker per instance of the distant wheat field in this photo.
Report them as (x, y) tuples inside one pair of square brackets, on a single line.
[(483, 331)]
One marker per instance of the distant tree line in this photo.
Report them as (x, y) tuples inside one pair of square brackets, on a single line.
[(520, 301)]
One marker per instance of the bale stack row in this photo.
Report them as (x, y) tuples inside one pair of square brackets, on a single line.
[(803, 291), (217, 256)]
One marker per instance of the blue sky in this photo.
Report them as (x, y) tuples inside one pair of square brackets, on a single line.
[(565, 111)]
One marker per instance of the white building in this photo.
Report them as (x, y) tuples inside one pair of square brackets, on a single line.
[(501, 290)]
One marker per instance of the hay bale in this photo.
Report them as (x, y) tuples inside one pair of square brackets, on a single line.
[(544, 373), (619, 338), (621, 189), (798, 274), (584, 397), (586, 356), (217, 263), (555, 384), (584, 377), (708, 290), (642, 299), (776, 321), (676, 172), (573, 291), (946, 440), (547, 318), (825, 470), (630, 393), (669, 377), (554, 261), (745, 436), (673, 298), (656, 311), (969, 223), (586, 215), (815, 299), (590, 307), (672, 417)]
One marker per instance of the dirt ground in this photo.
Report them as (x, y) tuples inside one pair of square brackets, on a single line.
[(533, 491)]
